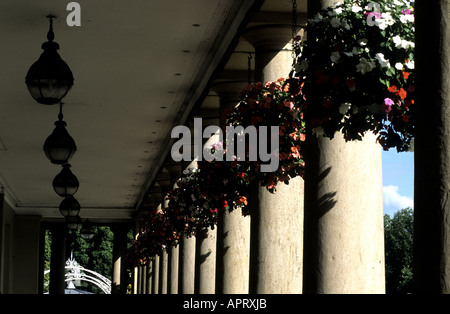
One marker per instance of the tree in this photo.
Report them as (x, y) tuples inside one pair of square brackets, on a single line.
[(95, 255), (398, 233)]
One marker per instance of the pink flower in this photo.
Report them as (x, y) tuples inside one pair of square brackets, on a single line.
[(387, 104), (407, 12), (289, 104)]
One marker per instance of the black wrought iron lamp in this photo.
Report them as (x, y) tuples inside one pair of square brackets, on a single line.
[(59, 147), (65, 183), (49, 79), (69, 207), (74, 223), (87, 232)]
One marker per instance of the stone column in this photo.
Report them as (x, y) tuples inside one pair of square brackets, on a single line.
[(187, 248), (186, 271), (174, 169), (233, 229), (57, 259), (163, 265), (119, 280), (205, 271), (155, 274), (26, 255), (343, 235), (143, 280), (205, 266), (172, 283), (149, 277), (432, 148), (277, 219)]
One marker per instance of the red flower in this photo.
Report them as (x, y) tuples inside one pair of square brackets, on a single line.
[(350, 84), (392, 89), (408, 102), (321, 77), (242, 200), (405, 75), (302, 137), (295, 151), (402, 93)]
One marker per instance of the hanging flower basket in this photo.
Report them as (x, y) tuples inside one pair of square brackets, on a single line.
[(157, 234), (358, 69), (203, 192), (274, 104)]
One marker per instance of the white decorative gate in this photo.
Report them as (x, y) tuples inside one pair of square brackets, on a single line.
[(76, 273)]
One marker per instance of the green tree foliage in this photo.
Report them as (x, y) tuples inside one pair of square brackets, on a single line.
[(94, 255), (399, 246)]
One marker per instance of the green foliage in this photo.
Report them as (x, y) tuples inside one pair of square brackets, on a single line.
[(399, 245), (47, 248), (95, 255)]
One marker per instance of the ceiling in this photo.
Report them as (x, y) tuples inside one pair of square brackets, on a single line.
[(140, 67)]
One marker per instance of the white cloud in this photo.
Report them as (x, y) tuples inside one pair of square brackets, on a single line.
[(393, 201)]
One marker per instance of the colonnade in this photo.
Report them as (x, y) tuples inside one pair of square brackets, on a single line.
[(320, 234)]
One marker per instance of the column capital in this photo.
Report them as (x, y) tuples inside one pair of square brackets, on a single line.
[(269, 37), (229, 91)]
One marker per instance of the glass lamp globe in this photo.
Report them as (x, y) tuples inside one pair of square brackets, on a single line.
[(49, 79), (69, 207), (65, 183), (59, 147)]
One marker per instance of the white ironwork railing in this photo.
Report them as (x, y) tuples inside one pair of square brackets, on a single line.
[(77, 273)]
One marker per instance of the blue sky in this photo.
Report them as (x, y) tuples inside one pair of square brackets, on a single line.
[(398, 181)]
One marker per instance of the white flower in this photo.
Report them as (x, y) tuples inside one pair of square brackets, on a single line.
[(383, 62), (356, 51), (317, 18), (302, 66), (335, 22), (363, 41), (385, 20), (409, 44), (410, 65), (407, 18), (399, 66), (345, 25), (335, 56), (344, 108), (356, 9), (397, 41), (401, 43), (365, 66), (318, 131), (338, 10)]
